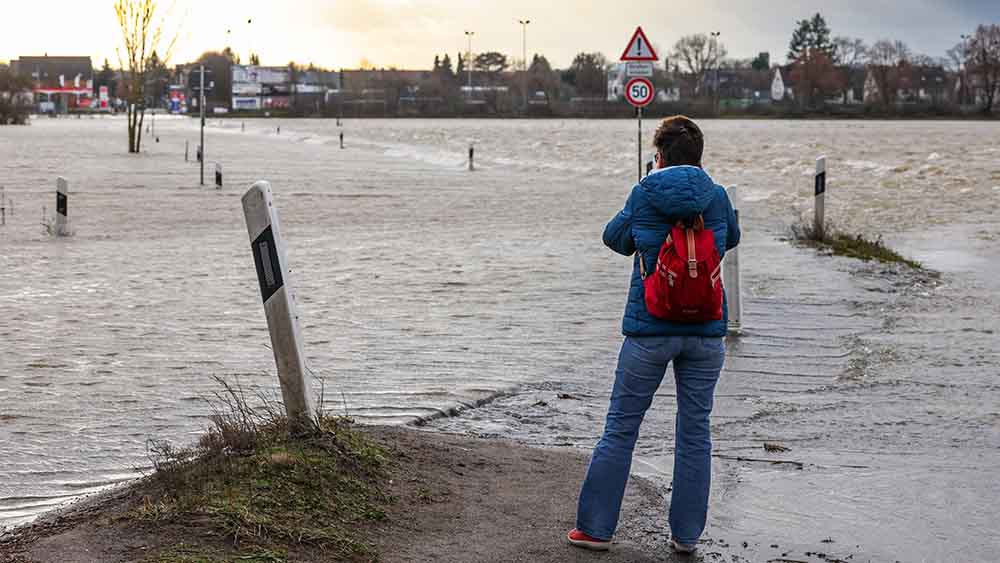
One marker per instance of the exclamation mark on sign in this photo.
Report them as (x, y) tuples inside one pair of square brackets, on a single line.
[(638, 43)]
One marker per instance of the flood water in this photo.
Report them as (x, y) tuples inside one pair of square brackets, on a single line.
[(424, 287)]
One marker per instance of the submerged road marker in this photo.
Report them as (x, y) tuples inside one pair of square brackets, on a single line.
[(731, 277), (820, 206), (271, 261), (62, 207)]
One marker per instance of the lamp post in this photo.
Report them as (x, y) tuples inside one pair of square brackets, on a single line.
[(524, 54), (715, 56), (965, 68), (468, 60)]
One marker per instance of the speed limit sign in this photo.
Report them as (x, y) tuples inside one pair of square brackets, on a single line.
[(639, 92)]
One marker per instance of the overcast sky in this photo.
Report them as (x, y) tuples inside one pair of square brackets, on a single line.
[(408, 33)]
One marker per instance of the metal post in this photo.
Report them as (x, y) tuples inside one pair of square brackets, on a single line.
[(62, 207), (640, 142), (341, 139), (524, 53), (201, 105), (468, 61), (820, 208), (280, 306), (3, 207), (732, 277), (472, 154), (186, 143), (218, 176)]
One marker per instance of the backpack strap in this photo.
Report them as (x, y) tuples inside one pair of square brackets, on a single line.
[(692, 257)]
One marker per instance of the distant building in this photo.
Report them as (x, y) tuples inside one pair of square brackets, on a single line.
[(60, 84)]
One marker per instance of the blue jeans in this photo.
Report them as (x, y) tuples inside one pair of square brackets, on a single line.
[(641, 367)]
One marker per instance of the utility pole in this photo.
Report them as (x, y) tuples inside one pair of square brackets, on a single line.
[(963, 94), (715, 57), (524, 53), (201, 106), (468, 59)]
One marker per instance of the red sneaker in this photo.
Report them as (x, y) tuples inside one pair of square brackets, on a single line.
[(580, 539)]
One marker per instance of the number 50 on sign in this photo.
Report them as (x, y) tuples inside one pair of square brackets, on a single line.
[(639, 92)]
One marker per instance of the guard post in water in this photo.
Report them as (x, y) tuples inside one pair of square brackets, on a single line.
[(731, 277), (820, 209), (280, 307), (62, 207)]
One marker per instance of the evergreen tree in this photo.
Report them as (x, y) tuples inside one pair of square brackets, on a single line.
[(437, 63), (762, 62), (810, 35), (446, 65)]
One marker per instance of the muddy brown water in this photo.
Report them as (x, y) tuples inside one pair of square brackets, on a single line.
[(425, 288)]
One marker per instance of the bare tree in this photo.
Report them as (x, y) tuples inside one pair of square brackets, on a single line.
[(850, 51), (886, 63), (698, 54), (141, 37), (15, 92), (983, 61)]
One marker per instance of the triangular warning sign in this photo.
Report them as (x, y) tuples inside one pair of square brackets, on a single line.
[(639, 48)]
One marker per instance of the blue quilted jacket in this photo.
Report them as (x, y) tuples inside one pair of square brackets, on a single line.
[(660, 200)]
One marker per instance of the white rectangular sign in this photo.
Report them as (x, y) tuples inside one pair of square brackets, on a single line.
[(639, 69)]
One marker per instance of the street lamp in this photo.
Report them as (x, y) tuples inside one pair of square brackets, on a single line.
[(964, 67), (468, 59), (715, 55), (524, 54)]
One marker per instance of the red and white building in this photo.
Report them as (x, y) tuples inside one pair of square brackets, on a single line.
[(59, 84)]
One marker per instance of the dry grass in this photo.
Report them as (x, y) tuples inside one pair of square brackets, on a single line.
[(852, 246), (265, 490)]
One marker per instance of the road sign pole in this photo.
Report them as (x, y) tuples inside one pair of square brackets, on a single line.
[(639, 57), (640, 143)]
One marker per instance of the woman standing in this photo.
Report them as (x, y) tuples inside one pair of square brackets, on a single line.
[(677, 191)]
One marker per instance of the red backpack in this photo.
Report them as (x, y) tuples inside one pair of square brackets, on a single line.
[(686, 286)]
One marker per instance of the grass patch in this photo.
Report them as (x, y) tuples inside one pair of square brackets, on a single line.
[(852, 246), (263, 490)]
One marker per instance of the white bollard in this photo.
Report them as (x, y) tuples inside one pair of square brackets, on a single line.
[(820, 208), (279, 302), (732, 278), (62, 207)]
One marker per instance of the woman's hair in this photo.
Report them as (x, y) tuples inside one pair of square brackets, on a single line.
[(679, 141)]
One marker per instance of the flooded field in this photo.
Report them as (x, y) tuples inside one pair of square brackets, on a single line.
[(425, 288)]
